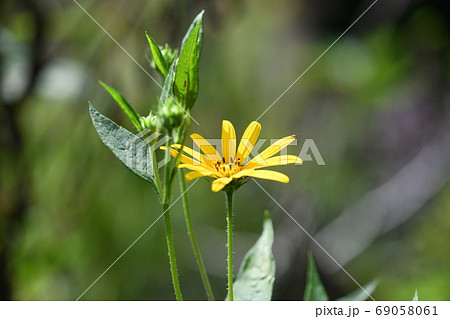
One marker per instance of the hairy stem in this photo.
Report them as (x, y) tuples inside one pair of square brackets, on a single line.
[(171, 250), (156, 172), (193, 239), (169, 232), (230, 243)]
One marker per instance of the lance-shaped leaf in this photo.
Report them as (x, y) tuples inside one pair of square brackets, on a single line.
[(186, 75), (314, 290), (168, 85), (130, 149), (124, 105), (361, 294), (257, 272), (198, 18), (157, 56), (416, 296)]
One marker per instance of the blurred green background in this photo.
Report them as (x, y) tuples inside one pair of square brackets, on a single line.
[(376, 105)]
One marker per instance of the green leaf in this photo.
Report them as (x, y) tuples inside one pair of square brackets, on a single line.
[(168, 85), (198, 18), (186, 75), (130, 149), (416, 296), (126, 107), (157, 56), (361, 295), (257, 272), (314, 290)]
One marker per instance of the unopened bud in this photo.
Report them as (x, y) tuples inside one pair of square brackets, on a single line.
[(168, 54), (170, 115), (149, 122)]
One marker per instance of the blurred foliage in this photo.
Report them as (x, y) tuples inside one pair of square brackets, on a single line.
[(371, 104)]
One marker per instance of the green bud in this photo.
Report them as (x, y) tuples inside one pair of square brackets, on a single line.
[(149, 122), (170, 115), (169, 54)]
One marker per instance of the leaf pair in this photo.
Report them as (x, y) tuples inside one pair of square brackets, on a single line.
[(181, 76), (257, 274), (130, 149)]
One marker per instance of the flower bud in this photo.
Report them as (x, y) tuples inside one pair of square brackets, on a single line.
[(170, 115), (149, 122), (169, 54)]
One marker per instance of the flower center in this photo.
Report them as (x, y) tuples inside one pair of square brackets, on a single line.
[(228, 169)]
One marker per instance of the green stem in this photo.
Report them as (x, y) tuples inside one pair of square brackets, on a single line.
[(167, 172), (230, 243), (156, 172), (169, 232), (190, 230), (183, 137), (171, 249)]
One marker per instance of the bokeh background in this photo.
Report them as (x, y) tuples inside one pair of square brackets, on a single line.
[(376, 105)]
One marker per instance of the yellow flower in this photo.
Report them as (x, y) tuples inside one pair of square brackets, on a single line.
[(233, 168)]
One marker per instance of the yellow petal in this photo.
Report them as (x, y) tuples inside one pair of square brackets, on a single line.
[(193, 175), (196, 155), (228, 141), (272, 150), (265, 174), (248, 140), (275, 161), (183, 158), (209, 151), (196, 168), (220, 183)]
